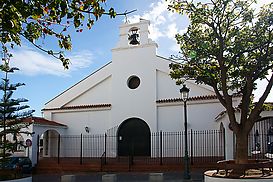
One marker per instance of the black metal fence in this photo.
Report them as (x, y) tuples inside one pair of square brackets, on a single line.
[(261, 139), (207, 146), (166, 147)]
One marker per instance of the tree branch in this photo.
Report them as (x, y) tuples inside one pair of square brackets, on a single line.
[(91, 12), (42, 49), (219, 95), (258, 106)]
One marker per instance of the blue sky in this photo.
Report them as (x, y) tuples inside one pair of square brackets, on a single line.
[(45, 77)]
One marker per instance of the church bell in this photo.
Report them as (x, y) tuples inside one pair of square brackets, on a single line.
[(133, 38)]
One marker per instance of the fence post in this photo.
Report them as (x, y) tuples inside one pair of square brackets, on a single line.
[(38, 151), (129, 162), (105, 140), (81, 150), (161, 147), (59, 145), (191, 148), (224, 138), (133, 151)]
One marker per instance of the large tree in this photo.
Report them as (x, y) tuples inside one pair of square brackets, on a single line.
[(228, 46), (12, 112), (35, 19)]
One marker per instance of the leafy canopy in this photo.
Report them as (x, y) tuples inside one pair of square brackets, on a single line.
[(227, 46), (33, 19)]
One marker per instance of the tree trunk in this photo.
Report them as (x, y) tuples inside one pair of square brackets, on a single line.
[(241, 154), (241, 147)]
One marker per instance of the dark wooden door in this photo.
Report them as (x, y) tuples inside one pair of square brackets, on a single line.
[(134, 138)]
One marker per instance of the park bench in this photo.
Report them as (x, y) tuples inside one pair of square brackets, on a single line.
[(229, 165)]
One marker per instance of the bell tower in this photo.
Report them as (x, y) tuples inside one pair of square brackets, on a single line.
[(134, 35), (134, 75)]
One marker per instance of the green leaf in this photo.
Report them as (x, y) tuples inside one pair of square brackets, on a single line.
[(69, 15), (193, 54), (77, 22)]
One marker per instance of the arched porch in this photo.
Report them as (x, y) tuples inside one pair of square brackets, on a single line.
[(45, 138)]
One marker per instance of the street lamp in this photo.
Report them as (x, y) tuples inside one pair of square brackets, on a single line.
[(184, 91)]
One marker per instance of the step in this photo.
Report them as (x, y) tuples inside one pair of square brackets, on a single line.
[(49, 165)]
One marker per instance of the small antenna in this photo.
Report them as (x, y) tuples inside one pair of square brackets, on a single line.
[(126, 18), (125, 14)]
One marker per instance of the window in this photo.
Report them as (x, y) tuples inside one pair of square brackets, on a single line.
[(133, 82)]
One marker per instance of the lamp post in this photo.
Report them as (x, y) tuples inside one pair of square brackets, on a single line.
[(184, 91)]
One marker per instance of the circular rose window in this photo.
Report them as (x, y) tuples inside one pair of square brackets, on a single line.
[(133, 82)]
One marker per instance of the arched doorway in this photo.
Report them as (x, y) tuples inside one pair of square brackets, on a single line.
[(48, 144), (134, 138)]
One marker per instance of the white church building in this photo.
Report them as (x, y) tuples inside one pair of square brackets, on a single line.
[(134, 94)]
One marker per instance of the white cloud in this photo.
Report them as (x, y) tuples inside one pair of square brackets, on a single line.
[(81, 59), (182, 31), (32, 62), (171, 31)]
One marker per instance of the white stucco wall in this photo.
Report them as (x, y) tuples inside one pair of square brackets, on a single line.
[(81, 87), (96, 120), (97, 94), (166, 86), (201, 115), (170, 118)]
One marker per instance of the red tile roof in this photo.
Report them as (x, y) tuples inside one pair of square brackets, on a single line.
[(42, 121), (79, 107), (205, 97)]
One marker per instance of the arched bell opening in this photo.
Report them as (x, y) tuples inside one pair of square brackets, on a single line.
[(133, 36)]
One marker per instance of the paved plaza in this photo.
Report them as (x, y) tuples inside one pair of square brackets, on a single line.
[(197, 176)]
